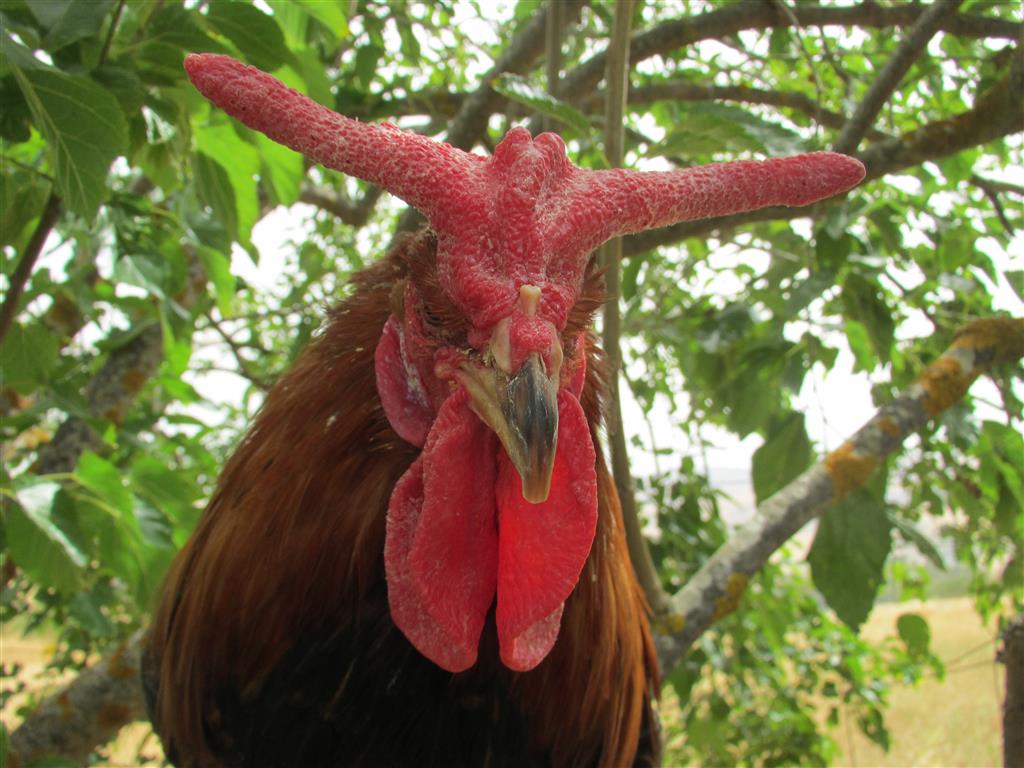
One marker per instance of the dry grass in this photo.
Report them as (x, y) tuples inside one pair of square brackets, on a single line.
[(955, 722)]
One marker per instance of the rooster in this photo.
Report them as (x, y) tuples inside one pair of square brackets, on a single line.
[(416, 556)]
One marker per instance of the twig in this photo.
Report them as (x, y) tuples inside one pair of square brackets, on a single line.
[(717, 587), (355, 214), (889, 78), (992, 193), (27, 262), (110, 32), (236, 350)]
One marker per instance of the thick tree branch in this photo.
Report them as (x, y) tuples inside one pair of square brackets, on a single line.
[(668, 37), (88, 711), (115, 387), (895, 68), (715, 590), (22, 272)]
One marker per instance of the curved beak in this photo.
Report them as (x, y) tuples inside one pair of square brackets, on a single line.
[(522, 409)]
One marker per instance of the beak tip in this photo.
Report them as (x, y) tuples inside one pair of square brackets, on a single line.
[(536, 493)]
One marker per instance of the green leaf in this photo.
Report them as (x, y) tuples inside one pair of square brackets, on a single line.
[(241, 161), (520, 90), (712, 128), (254, 33), (105, 480), (329, 14), (27, 357), (87, 611), (218, 270), (37, 543), (860, 344), (1015, 277), (84, 130), (67, 21), (282, 168), (150, 271), (863, 303), (784, 455), (214, 188), (915, 633), (848, 555), (366, 64), (924, 545)]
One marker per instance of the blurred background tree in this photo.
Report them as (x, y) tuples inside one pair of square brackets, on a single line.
[(162, 265)]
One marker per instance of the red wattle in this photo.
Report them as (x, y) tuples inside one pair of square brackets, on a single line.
[(441, 542), (542, 547)]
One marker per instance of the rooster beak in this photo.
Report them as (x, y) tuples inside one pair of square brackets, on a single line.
[(530, 434), (522, 409)]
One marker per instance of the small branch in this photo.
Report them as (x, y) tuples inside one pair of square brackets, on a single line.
[(686, 91), (892, 73), (236, 350), (27, 262), (354, 214), (110, 32), (998, 186), (715, 590), (993, 197)]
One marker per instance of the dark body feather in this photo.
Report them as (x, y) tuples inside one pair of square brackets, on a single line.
[(274, 646)]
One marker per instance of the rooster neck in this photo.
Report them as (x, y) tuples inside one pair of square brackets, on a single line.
[(282, 588)]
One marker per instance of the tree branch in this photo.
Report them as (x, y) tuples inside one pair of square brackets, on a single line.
[(115, 386), (996, 113), (895, 68), (727, 21), (715, 590), (88, 711), (354, 214), (22, 273)]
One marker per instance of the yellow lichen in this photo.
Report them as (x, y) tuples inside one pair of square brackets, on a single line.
[(670, 624), (735, 586), (944, 383), (848, 469), (890, 427)]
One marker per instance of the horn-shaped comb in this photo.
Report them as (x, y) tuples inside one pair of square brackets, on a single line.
[(525, 216)]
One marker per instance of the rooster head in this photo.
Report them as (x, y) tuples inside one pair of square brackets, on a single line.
[(500, 507)]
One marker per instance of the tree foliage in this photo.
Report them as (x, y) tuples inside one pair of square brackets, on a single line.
[(138, 337)]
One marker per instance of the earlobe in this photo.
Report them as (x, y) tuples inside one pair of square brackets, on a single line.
[(400, 387)]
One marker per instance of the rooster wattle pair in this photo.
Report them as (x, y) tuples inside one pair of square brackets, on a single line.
[(502, 501)]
